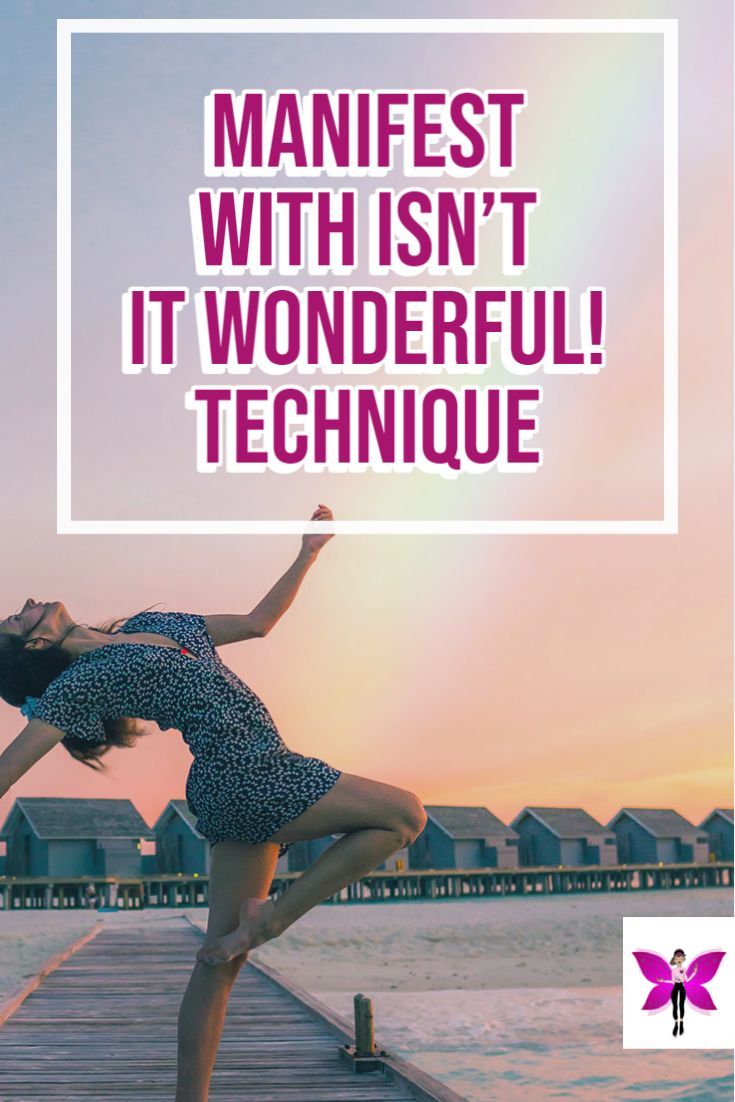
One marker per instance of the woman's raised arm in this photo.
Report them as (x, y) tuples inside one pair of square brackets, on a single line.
[(35, 740), (255, 624)]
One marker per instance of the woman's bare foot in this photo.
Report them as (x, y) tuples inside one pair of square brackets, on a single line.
[(258, 923)]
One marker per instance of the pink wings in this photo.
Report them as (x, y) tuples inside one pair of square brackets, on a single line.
[(657, 971), (653, 967), (707, 965)]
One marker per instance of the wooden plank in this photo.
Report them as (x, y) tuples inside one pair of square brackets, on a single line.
[(102, 1027), (423, 1087)]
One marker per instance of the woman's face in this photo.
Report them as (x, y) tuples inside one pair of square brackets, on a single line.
[(36, 619), (679, 959)]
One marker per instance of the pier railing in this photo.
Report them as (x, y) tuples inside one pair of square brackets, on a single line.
[(191, 890)]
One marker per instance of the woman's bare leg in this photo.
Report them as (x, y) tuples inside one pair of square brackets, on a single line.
[(239, 872), (376, 820)]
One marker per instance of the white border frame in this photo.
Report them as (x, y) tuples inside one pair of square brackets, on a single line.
[(667, 525)]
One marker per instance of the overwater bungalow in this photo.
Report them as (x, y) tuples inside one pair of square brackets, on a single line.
[(65, 837), (463, 838), (719, 829), (563, 836), (180, 848), (648, 835)]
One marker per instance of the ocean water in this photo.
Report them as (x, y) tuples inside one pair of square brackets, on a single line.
[(537, 1044), (515, 1000)]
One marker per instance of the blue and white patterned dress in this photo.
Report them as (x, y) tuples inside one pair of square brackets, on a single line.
[(244, 783)]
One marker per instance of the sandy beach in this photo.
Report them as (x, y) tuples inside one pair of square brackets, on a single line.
[(28, 938), (511, 999), (469, 944)]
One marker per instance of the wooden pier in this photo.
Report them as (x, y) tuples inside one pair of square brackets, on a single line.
[(192, 890), (101, 1027)]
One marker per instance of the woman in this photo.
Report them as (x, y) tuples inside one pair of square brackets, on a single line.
[(252, 796), (678, 994)]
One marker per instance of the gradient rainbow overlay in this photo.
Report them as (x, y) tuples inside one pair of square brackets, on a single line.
[(592, 671)]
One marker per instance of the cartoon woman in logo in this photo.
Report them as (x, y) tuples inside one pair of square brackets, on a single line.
[(678, 994), (681, 985)]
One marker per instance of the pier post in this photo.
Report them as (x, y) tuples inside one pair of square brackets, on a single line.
[(364, 1026)]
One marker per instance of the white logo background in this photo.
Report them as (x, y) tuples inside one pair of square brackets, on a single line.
[(654, 1029)]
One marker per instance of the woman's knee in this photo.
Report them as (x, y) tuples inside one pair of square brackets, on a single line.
[(410, 818)]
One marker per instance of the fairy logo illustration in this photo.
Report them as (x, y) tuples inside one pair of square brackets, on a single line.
[(675, 981)]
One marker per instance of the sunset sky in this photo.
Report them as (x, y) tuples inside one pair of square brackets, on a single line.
[(591, 671)]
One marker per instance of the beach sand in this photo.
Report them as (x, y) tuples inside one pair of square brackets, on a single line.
[(515, 1000), (28, 938), (503, 999), (470, 944)]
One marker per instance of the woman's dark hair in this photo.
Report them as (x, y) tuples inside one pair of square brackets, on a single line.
[(676, 954), (27, 672)]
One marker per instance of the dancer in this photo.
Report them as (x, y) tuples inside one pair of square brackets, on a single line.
[(252, 797)]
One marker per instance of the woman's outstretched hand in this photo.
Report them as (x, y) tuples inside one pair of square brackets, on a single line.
[(313, 542)]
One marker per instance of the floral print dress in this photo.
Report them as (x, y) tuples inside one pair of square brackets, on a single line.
[(244, 783)]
